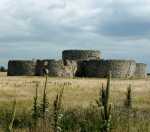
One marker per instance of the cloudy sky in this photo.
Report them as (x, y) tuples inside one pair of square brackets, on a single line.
[(43, 28)]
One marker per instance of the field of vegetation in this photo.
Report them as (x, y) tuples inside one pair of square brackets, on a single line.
[(34, 104)]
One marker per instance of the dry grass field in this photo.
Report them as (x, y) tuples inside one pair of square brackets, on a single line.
[(80, 111), (78, 92)]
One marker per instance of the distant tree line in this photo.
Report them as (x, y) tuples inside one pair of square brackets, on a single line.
[(3, 69)]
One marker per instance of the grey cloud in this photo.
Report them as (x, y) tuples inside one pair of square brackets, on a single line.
[(127, 28), (112, 19), (125, 20), (43, 29)]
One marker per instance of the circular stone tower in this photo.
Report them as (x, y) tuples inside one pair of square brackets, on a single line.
[(122, 68), (92, 68), (21, 68), (100, 68), (79, 55), (71, 58), (141, 70), (56, 68)]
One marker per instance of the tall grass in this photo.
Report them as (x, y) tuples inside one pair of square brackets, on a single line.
[(8, 123), (13, 116)]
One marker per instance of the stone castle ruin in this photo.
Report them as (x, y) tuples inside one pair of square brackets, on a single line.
[(78, 63)]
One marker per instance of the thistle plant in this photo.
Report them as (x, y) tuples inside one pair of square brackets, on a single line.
[(35, 109), (128, 101), (101, 99), (57, 111), (103, 103), (43, 108), (44, 103), (128, 104)]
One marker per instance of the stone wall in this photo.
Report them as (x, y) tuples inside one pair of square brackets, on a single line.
[(100, 68), (141, 70), (21, 68), (79, 55)]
